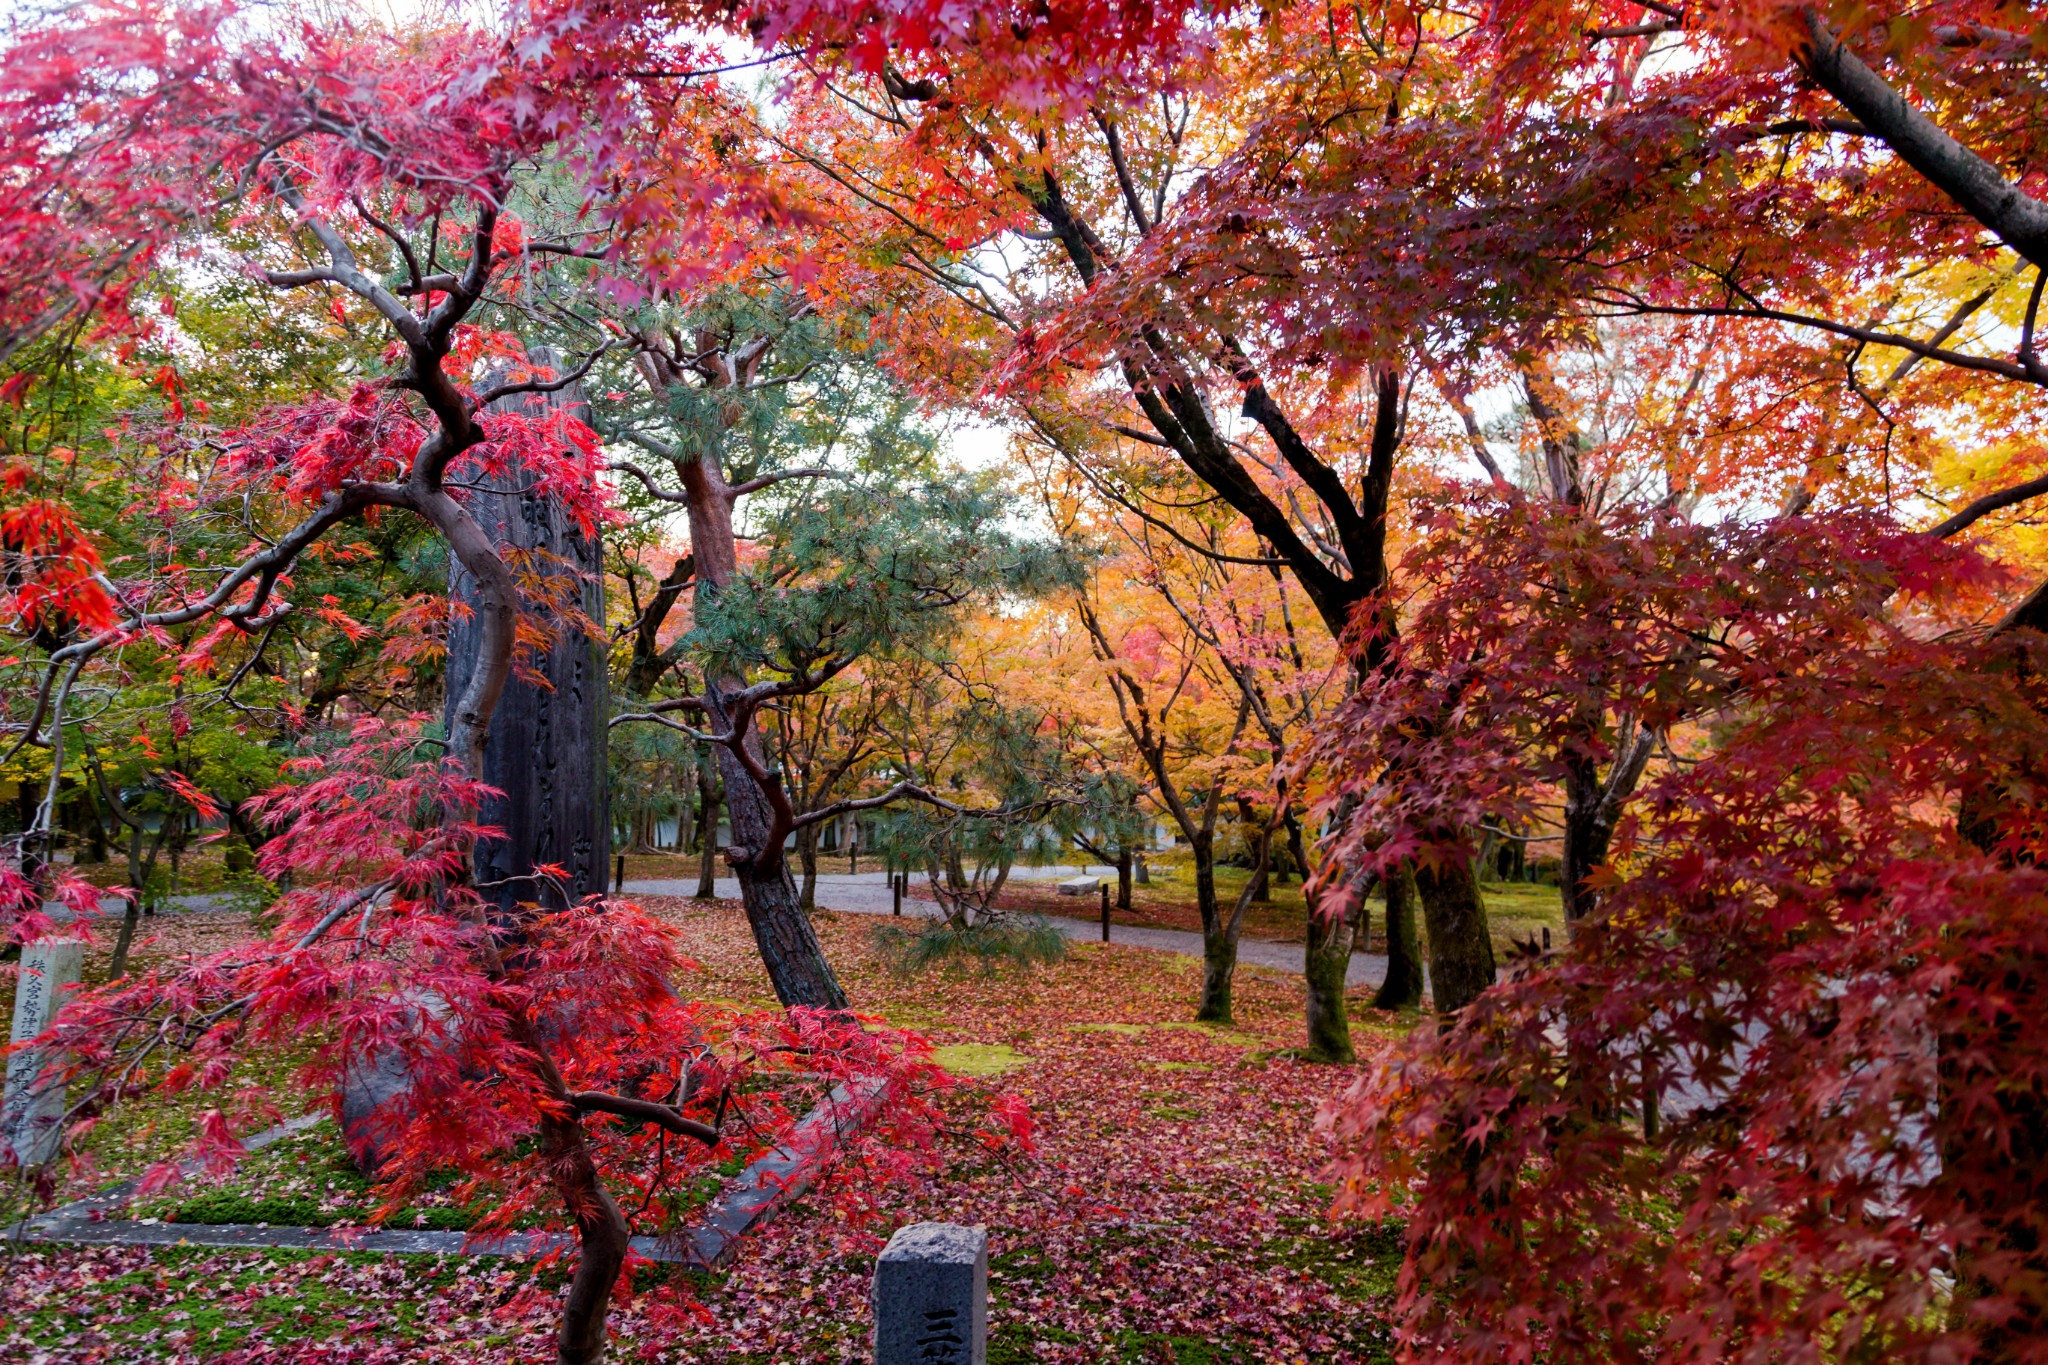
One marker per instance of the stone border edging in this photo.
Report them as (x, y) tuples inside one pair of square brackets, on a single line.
[(761, 1191)]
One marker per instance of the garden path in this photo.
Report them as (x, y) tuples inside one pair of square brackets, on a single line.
[(867, 893)]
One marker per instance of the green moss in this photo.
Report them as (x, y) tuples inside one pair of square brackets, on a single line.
[(270, 1187), (1016, 1343), (142, 1310), (1222, 1033), (1358, 1265), (1177, 1113), (980, 1059)]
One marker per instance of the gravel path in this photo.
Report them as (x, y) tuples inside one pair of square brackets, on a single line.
[(867, 893)]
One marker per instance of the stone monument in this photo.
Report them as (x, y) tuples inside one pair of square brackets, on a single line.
[(31, 1115), (545, 753), (931, 1296)]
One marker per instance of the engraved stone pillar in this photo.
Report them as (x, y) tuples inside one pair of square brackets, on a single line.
[(931, 1296), (546, 749), (32, 1112)]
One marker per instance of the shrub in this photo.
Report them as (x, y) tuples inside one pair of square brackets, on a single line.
[(991, 945)]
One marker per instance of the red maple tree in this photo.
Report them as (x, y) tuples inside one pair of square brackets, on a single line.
[(549, 1054)]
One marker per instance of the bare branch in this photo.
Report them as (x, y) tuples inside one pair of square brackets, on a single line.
[(911, 791), (649, 717), (342, 269), (755, 485), (628, 467), (1989, 503), (1974, 184), (1624, 305), (644, 1111), (1123, 171), (494, 393)]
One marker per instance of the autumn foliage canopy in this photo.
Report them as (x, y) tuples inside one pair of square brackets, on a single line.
[(1640, 399)]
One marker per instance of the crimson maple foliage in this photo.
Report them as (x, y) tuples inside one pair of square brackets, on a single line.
[(549, 1054), (511, 1035), (1777, 1091)]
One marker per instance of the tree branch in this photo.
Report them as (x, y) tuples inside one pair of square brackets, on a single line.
[(653, 488), (1627, 306), (494, 393), (1973, 183), (1989, 503), (644, 1111), (755, 485), (911, 791)]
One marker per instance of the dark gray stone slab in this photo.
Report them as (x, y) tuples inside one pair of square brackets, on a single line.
[(32, 1109), (545, 753), (931, 1296), (776, 1177)]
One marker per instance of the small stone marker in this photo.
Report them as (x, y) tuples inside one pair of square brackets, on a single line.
[(1080, 886), (30, 1116), (931, 1296)]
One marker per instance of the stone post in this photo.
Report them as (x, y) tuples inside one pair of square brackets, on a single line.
[(31, 1115), (931, 1296)]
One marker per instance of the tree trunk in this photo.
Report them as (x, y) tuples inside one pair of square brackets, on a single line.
[(807, 855), (1123, 877), (782, 931), (1592, 805), (1460, 941), (95, 828), (1219, 938), (1403, 987), (1582, 850), (602, 1237), (545, 750), (131, 916), (1326, 963), (707, 826), (1262, 857)]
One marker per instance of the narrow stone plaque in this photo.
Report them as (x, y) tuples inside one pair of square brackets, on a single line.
[(1080, 886), (931, 1296), (31, 1114)]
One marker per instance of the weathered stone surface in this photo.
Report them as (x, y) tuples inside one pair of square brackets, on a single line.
[(778, 1176), (931, 1296), (1080, 886), (32, 1111), (373, 1092), (545, 753)]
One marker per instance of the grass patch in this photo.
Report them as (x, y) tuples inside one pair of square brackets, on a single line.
[(1222, 1033), (1359, 1265)]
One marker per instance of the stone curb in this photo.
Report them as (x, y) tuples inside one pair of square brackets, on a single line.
[(768, 1184)]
